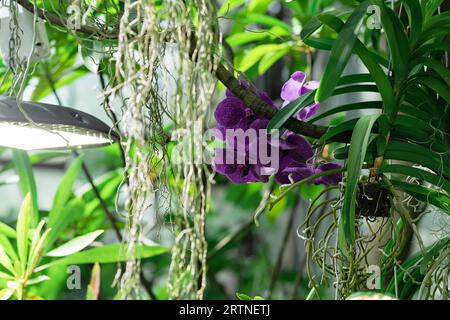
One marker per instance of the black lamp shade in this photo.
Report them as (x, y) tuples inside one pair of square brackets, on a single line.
[(52, 127)]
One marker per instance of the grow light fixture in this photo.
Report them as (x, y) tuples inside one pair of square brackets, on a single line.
[(51, 127)]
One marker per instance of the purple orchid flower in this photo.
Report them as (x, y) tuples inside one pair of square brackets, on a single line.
[(296, 160), (297, 171), (296, 163), (332, 179), (241, 170), (294, 88), (295, 152), (232, 113)]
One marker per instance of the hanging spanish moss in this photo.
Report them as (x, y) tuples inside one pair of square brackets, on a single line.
[(194, 28), (188, 40)]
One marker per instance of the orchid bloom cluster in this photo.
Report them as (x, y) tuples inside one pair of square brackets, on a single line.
[(296, 157)]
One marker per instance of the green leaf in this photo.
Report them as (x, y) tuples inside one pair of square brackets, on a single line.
[(412, 152), (75, 245), (429, 7), (417, 173), (6, 276), (38, 280), (425, 194), (5, 261), (288, 111), (263, 19), (430, 48), (413, 111), (321, 44), (414, 17), (36, 237), (70, 212), (433, 252), (414, 123), (22, 229), (411, 272), (422, 159), (255, 54), (437, 66), (62, 196), (311, 26), (355, 78), (419, 137), (43, 88), (434, 34), (340, 53), (270, 58), (93, 290), (307, 99), (109, 254), (345, 126), (348, 107), (36, 158), (27, 183), (242, 296), (315, 23), (245, 37), (36, 252), (397, 41), (7, 230), (229, 5), (437, 86), (371, 62), (106, 181), (259, 6), (5, 294), (438, 20), (9, 249), (358, 147)]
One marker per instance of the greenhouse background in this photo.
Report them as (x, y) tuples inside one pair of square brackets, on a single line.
[(167, 233)]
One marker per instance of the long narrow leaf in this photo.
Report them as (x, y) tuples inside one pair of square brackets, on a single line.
[(397, 41), (307, 99), (340, 128), (5, 261), (377, 73), (358, 147), (440, 182), (62, 196), (27, 182), (421, 155), (288, 111), (414, 17), (7, 230), (425, 194), (75, 245), (341, 52), (108, 254), (70, 212), (348, 107), (22, 229), (9, 249)]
